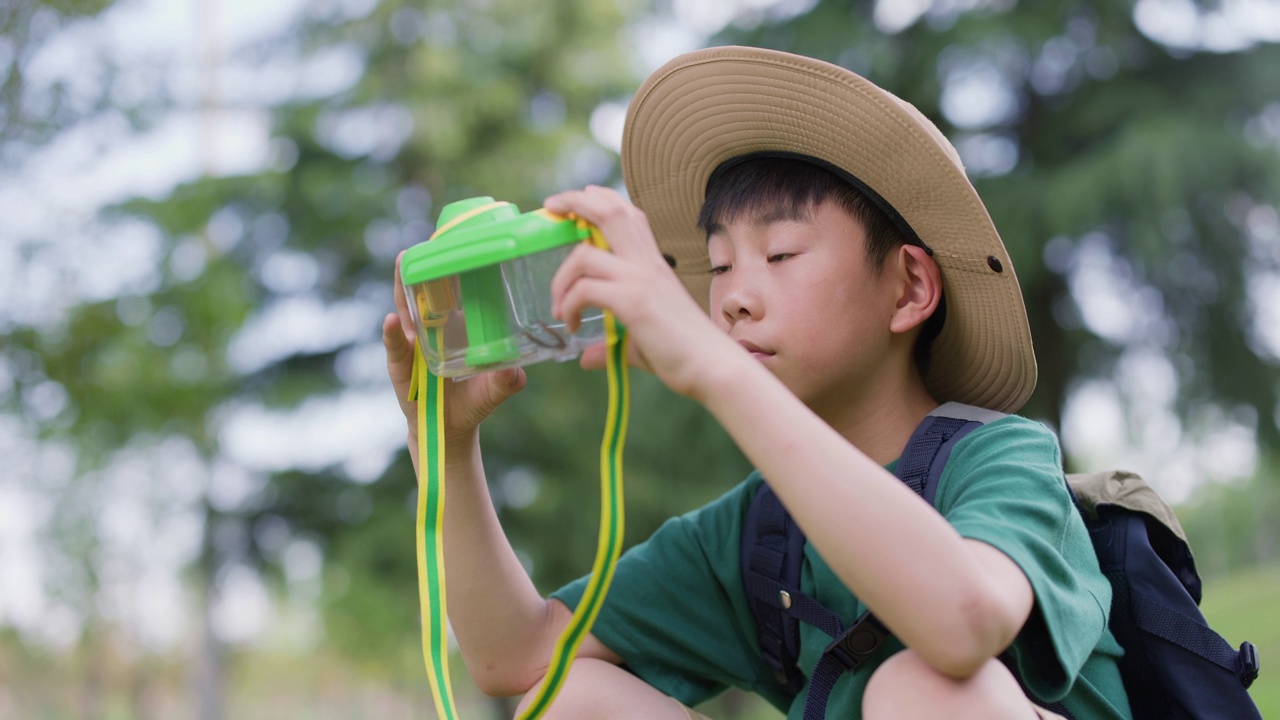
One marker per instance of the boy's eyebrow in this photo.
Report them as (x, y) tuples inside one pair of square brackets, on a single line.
[(766, 217)]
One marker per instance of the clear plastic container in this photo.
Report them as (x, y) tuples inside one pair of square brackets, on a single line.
[(480, 291)]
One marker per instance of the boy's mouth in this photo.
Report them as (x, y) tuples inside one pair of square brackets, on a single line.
[(755, 350)]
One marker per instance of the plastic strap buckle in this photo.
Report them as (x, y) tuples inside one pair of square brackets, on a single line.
[(1249, 664), (862, 640)]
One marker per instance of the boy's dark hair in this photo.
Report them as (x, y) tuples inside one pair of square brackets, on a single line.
[(771, 187)]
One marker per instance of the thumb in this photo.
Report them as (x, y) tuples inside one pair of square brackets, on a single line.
[(505, 383), (492, 389)]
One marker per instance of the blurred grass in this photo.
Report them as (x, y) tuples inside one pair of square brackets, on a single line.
[(320, 685), (1246, 606)]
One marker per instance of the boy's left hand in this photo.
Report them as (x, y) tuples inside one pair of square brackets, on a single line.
[(673, 338)]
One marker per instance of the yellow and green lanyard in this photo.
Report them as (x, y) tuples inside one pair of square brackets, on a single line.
[(430, 521)]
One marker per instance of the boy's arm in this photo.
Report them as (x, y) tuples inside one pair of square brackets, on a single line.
[(955, 602), (505, 629)]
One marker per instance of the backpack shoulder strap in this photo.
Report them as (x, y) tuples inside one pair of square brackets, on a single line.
[(926, 453), (772, 550)]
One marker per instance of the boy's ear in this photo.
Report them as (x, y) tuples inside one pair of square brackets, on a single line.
[(919, 283)]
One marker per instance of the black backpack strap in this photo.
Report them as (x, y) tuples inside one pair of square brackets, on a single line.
[(926, 453), (1194, 636), (772, 551), (847, 651)]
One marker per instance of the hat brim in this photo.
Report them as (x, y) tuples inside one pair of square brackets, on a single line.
[(710, 106)]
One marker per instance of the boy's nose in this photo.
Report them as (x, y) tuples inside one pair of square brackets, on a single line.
[(740, 301)]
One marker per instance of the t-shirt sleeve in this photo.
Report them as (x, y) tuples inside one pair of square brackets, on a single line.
[(1003, 485), (675, 612)]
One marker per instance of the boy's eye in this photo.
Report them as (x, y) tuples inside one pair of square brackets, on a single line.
[(719, 269), (780, 257)]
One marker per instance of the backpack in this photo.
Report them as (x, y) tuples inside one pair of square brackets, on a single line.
[(1175, 667)]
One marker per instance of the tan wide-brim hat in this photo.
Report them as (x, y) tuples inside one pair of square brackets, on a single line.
[(710, 106)]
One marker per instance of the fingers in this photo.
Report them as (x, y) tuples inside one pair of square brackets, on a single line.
[(399, 348), (399, 354), (585, 293), (623, 225), (585, 262), (399, 364), (402, 304)]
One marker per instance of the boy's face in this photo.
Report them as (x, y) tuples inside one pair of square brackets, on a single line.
[(803, 297)]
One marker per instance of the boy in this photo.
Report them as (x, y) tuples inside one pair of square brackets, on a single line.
[(820, 218)]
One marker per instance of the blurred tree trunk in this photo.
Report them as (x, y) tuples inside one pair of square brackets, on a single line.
[(209, 685), (1054, 351), (141, 689), (95, 661)]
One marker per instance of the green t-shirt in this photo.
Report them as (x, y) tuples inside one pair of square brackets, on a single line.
[(678, 616)]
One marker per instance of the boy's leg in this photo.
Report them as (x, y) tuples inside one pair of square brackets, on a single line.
[(600, 690), (905, 686)]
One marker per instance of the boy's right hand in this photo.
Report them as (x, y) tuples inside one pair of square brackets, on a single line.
[(467, 402)]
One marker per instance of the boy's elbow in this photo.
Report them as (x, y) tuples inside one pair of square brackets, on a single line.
[(518, 663), (499, 688), (981, 629), (497, 679)]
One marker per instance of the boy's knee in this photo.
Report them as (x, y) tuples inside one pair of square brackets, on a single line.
[(905, 686)]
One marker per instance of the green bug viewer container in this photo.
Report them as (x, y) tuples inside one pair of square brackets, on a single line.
[(479, 291)]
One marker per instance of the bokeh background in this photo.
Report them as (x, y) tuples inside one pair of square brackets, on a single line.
[(205, 501)]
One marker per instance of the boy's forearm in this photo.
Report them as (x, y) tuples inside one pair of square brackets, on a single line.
[(891, 549), (500, 620)]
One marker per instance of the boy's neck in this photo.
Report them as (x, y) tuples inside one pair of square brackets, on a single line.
[(880, 423)]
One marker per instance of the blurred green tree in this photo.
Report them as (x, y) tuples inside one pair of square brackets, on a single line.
[(28, 119), (1121, 165), (450, 100)]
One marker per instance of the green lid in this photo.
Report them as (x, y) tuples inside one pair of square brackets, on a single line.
[(483, 233)]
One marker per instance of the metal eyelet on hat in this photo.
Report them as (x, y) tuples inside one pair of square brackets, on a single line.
[(994, 263)]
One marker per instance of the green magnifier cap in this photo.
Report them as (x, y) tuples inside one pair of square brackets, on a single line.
[(475, 238)]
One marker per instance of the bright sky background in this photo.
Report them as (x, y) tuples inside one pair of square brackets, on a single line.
[(146, 499)]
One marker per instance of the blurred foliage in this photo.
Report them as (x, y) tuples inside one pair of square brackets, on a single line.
[(1233, 527), (26, 118), (1150, 152)]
